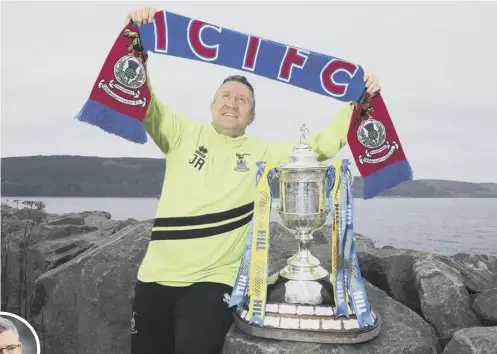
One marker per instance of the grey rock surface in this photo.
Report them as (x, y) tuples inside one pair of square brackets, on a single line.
[(445, 301), (84, 305), (476, 340), (81, 269), (485, 306)]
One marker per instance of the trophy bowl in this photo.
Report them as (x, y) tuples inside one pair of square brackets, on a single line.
[(302, 193)]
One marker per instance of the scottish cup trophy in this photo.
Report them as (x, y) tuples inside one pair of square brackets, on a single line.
[(300, 297)]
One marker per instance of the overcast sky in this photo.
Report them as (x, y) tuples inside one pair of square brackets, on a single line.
[(437, 63)]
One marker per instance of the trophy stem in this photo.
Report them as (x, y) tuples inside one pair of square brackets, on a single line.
[(304, 253), (303, 265)]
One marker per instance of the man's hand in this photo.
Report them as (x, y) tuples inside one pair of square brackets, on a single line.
[(141, 16), (372, 83)]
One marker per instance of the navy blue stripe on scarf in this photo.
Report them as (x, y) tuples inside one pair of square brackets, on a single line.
[(183, 37)]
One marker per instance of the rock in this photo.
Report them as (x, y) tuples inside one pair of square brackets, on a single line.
[(391, 271), (52, 253), (85, 266), (363, 243), (130, 221), (476, 340), (444, 300), (91, 218), (485, 307), (39, 242), (55, 232), (476, 271), (403, 331), (84, 305)]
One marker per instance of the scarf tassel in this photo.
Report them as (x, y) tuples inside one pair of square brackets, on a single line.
[(386, 178), (113, 122)]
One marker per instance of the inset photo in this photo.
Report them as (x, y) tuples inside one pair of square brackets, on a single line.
[(17, 336)]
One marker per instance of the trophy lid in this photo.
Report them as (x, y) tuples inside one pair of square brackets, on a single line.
[(302, 155)]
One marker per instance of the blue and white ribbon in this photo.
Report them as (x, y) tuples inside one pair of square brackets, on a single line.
[(354, 281), (239, 295)]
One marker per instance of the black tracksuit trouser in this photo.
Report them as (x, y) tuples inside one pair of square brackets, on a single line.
[(180, 320)]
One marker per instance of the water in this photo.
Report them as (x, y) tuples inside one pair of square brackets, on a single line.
[(446, 226)]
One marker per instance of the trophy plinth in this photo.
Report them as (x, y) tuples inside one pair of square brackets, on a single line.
[(300, 300)]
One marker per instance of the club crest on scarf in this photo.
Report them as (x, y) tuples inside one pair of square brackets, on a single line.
[(372, 134), (129, 72)]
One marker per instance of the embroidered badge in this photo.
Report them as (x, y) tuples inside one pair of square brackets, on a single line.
[(241, 163), (129, 72), (372, 135)]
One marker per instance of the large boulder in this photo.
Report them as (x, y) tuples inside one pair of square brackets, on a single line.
[(391, 270), (476, 340), (84, 305), (477, 271), (34, 242), (485, 306), (445, 301)]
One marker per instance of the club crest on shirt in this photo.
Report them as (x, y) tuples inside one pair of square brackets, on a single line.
[(241, 163)]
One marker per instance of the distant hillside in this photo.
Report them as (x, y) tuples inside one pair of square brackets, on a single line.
[(81, 176)]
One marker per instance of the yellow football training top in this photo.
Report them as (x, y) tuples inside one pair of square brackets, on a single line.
[(207, 198)]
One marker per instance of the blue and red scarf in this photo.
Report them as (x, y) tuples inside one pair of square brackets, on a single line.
[(120, 96)]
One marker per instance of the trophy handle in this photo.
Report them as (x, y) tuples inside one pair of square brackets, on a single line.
[(275, 173)]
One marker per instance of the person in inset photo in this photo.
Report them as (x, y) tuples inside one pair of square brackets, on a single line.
[(10, 342)]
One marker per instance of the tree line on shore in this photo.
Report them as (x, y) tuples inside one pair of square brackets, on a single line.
[(90, 176)]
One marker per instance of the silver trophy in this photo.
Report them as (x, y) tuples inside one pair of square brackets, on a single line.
[(300, 299)]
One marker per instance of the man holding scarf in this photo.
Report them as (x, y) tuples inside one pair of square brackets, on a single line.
[(184, 282)]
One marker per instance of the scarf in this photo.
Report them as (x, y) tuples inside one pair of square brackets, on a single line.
[(120, 97)]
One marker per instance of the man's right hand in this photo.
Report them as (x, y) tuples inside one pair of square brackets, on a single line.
[(141, 16)]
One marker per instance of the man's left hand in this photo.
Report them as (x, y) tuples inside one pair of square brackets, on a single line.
[(372, 83)]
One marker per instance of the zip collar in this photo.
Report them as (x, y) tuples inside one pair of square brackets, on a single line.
[(224, 139)]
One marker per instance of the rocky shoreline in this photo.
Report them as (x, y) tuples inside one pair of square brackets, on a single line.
[(73, 276)]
